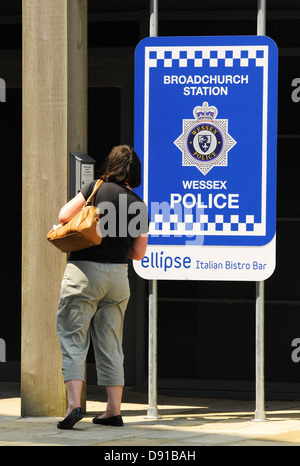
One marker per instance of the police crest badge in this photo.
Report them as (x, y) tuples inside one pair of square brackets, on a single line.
[(205, 141)]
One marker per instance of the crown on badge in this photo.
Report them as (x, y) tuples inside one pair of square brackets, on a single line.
[(205, 112)]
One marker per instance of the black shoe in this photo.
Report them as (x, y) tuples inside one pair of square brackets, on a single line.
[(109, 421), (70, 420)]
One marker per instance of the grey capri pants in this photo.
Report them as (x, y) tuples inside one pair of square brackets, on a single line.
[(92, 303)]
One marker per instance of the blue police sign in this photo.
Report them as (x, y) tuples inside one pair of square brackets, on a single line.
[(206, 130)]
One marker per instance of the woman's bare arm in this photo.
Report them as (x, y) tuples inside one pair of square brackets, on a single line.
[(138, 247), (69, 210)]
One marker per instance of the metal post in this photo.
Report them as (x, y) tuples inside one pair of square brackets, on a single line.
[(260, 414), (261, 17), (152, 411), (152, 353), (153, 18)]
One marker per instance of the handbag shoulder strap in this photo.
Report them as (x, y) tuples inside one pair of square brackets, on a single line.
[(92, 196)]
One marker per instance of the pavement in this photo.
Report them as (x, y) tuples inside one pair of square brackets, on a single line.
[(184, 425)]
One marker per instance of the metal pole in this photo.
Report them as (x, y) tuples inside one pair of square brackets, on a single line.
[(260, 414), (152, 411), (261, 17), (153, 18)]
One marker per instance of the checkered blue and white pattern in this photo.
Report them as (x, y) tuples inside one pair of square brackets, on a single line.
[(206, 56), (219, 226)]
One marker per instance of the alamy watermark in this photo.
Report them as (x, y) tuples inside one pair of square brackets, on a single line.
[(133, 219), (296, 352), (2, 90), (296, 92), (2, 350)]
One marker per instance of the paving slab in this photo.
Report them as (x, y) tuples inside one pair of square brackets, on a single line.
[(183, 423)]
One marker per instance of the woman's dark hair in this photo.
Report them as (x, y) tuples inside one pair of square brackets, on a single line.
[(123, 166)]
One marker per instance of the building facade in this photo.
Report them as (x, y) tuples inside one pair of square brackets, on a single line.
[(206, 330)]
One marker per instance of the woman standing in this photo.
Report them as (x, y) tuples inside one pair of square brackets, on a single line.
[(95, 289)]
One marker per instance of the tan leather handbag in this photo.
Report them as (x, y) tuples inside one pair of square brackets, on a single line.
[(81, 231)]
